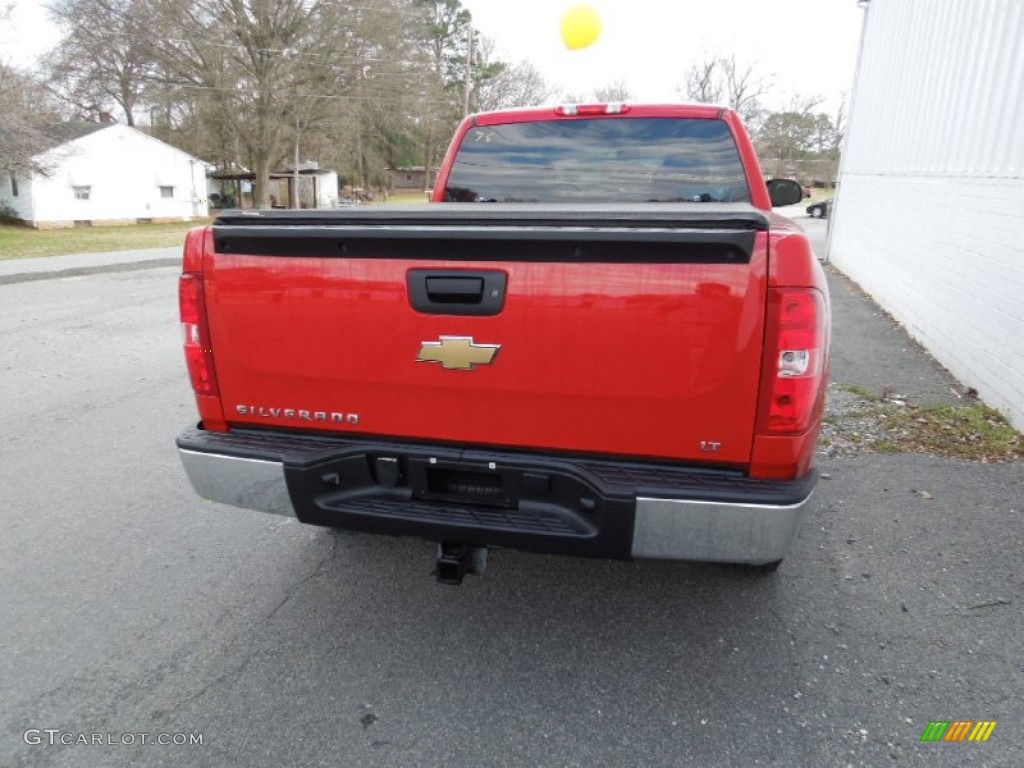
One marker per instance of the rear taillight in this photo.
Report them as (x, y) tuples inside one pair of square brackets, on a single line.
[(795, 361), (192, 306)]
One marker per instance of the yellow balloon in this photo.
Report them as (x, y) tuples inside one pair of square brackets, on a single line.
[(581, 26)]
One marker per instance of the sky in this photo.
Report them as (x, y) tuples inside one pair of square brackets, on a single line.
[(804, 47), (28, 33)]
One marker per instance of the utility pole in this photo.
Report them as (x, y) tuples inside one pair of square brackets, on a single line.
[(295, 170), (469, 71)]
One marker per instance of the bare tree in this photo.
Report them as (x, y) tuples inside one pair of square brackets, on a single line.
[(703, 84), (515, 85), (25, 109), (839, 125), (802, 104), (362, 84), (724, 80), (105, 57), (614, 92), (744, 88), (254, 62), (519, 85)]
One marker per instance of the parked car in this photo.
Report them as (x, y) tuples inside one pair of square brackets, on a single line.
[(820, 210)]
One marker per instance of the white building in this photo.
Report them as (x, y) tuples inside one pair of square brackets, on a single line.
[(317, 188), (103, 173), (929, 217)]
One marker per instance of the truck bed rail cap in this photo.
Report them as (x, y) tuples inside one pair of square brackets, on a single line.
[(643, 215)]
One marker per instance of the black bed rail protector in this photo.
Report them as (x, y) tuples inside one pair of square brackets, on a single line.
[(495, 244), (672, 233)]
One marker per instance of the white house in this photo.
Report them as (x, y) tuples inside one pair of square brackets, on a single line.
[(107, 173), (930, 209)]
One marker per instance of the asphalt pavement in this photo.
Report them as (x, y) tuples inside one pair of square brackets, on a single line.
[(131, 607)]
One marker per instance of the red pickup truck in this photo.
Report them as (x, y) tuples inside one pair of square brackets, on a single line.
[(597, 340)]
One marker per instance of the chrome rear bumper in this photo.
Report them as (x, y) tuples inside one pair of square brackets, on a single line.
[(246, 483), (740, 524), (715, 532)]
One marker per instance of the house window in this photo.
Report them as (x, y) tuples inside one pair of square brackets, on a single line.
[(14, 186), (167, 192), (82, 193)]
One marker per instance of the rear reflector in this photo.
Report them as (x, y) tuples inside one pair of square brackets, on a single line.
[(794, 361)]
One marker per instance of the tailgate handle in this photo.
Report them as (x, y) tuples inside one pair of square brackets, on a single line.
[(457, 292)]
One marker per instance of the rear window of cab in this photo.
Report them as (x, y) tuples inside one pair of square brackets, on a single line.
[(599, 160)]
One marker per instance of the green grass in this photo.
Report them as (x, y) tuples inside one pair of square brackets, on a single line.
[(17, 242), (974, 432), (971, 431), (858, 390), (967, 431)]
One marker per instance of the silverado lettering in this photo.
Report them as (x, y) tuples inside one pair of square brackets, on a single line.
[(598, 340), (291, 413)]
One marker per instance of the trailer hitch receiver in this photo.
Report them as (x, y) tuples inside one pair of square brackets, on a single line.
[(454, 561)]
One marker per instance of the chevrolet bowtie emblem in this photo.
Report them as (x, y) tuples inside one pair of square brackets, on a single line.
[(457, 353)]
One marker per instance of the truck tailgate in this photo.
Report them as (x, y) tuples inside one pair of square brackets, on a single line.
[(620, 332)]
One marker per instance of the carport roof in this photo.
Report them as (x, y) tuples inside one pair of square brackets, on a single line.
[(251, 176)]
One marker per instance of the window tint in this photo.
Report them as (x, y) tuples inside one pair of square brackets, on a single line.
[(630, 160)]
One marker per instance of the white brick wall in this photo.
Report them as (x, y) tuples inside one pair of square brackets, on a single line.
[(929, 217), (945, 256)]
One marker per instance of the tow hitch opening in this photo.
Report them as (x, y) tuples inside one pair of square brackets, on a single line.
[(454, 561)]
